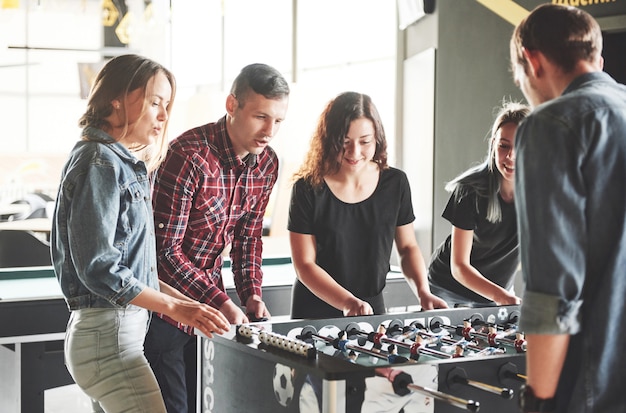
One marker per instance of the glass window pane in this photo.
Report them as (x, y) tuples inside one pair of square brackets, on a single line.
[(257, 31), (332, 33)]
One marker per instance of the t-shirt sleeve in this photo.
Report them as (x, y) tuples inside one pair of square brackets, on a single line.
[(301, 208), (462, 212), (405, 213)]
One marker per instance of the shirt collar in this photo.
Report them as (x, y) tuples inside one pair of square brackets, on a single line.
[(98, 135), (226, 151), (587, 77)]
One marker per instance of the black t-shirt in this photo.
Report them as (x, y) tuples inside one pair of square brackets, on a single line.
[(495, 247), (353, 241)]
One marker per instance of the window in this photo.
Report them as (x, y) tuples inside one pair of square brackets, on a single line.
[(328, 47)]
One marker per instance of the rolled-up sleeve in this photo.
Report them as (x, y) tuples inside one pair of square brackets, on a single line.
[(548, 314)]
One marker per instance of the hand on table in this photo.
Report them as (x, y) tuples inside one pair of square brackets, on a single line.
[(507, 298), (356, 307), (256, 309), (201, 316), (233, 313), (429, 301)]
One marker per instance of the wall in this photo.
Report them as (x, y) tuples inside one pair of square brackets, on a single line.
[(472, 77)]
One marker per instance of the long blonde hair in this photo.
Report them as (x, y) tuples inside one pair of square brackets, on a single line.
[(119, 77), (485, 178)]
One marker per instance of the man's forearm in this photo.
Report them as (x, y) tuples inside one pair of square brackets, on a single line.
[(544, 361)]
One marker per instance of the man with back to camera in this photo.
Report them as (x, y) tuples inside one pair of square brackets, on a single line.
[(571, 202), (211, 192)]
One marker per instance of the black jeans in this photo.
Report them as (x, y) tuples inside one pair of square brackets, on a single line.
[(172, 354)]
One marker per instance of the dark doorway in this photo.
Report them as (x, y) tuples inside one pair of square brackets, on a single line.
[(614, 53)]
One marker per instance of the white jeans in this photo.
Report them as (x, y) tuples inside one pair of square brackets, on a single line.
[(104, 355)]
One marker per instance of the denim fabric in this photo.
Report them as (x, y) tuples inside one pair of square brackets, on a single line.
[(102, 241), (104, 355), (571, 204), (169, 351)]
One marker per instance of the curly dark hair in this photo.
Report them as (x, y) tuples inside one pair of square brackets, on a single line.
[(332, 127)]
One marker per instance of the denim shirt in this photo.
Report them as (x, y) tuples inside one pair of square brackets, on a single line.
[(102, 241), (571, 204)]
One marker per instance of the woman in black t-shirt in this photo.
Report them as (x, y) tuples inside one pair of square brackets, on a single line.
[(347, 208), (477, 262)]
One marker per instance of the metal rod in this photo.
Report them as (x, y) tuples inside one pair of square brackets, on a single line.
[(503, 392), (469, 405)]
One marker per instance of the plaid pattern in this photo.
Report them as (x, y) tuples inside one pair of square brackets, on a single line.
[(205, 198)]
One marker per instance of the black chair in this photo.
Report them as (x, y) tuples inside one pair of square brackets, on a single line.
[(23, 249)]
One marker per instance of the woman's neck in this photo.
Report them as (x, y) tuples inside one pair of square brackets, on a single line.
[(507, 191), (354, 187)]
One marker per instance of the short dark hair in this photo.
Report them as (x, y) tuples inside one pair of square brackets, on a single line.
[(564, 34), (261, 79)]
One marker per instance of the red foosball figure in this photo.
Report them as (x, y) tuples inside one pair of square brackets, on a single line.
[(467, 330), (492, 335), (415, 347), (378, 336), (520, 342)]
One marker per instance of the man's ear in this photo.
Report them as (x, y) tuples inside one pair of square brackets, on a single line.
[(535, 61), (231, 104)]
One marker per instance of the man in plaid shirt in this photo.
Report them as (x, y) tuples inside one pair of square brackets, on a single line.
[(211, 192)]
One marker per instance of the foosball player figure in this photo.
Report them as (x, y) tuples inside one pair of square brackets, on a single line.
[(419, 342), (377, 337), (414, 350), (467, 330), (341, 341), (352, 356), (520, 342), (458, 351), (492, 335), (393, 356), (489, 351)]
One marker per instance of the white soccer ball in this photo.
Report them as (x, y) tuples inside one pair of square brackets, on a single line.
[(283, 384), (503, 314)]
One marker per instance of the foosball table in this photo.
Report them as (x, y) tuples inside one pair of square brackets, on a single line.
[(453, 360)]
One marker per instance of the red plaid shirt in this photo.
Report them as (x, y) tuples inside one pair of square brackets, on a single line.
[(205, 198)]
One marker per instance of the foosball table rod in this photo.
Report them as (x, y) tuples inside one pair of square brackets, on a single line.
[(469, 405), (458, 376), (509, 371), (279, 341), (415, 348), (343, 345)]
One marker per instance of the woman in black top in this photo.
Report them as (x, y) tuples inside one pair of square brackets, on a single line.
[(477, 262), (347, 207)]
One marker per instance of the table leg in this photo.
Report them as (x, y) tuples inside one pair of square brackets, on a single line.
[(42, 368)]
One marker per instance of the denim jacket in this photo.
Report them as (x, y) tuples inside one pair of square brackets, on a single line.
[(103, 245), (571, 203)]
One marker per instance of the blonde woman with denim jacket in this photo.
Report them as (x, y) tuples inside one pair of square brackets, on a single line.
[(103, 244)]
